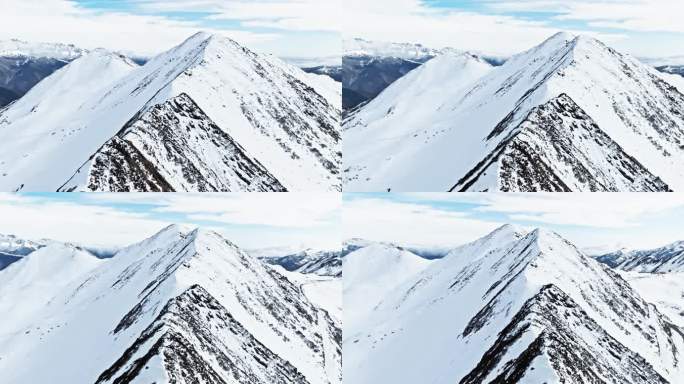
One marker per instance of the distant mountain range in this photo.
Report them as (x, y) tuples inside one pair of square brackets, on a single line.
[(23, 65), (571, 114), (207, 115), (514, 306), (669, 258), (181, 306), (307, 261), (13, 248)]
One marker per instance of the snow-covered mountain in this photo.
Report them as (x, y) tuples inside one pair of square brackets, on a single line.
[(372, 272), (371, 66), (568, 115), (184, 306), (669, 258), (207, 115), (513, 307), (307, 261)]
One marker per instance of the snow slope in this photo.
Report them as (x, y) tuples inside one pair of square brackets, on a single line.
[(570, 110), (372, 272), (53, 116), (28, 284), (514, 307), (676, 80), (665, 290), (207, 115), (183, 306)]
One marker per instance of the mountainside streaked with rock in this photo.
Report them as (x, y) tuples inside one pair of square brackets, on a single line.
[(570, 114), (513, 306), (207, 115), (183, 306)]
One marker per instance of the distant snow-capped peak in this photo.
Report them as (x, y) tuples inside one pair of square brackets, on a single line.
[(16, 47), (361, 47)]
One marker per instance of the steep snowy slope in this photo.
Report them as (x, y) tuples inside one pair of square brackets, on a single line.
[(669, 258), (27, 286), (676, 80), (569, 114), (37, 130), (323, 291), (208, 115), (403, 106), (182, 306), (372, 272), (665, 290), (514, 307)]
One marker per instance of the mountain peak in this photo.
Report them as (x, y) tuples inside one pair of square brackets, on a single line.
[(625, 138), (172, 307), (509, 228), (561, 36), (487, 291)]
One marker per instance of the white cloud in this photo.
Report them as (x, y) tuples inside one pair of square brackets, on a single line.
[(602, 210), (412, 21), (252, 220), (634, 15), (599, 220), (35, 218), (142, 33), (497, 29), (287, 210), (410, 224), (298, 15)]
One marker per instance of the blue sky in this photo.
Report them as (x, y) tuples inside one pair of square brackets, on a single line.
[(590, 220), (251, 220), (286, 28), (648, 28)]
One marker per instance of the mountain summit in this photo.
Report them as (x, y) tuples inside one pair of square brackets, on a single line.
[(570, 114), (207, 115), (514, 307), (184, 306)]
